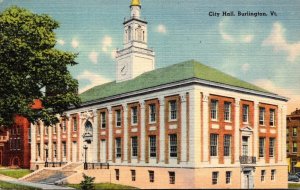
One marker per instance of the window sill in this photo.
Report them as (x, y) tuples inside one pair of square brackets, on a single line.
[(172, 120), (228, 121)]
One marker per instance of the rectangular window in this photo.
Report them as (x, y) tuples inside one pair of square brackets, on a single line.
[(152, 112), (134, 115), (287, 132), (118, 118), (215, 176), (173, 145), (261, 147), (245, 113), (54, 150), (227, 111), (38, 149), (151, 176), (227, 145), (295, 147), (64, 126), (117, 171), (29, 135), (133, 175), (152, 146), (245, 148), (46, 130), (294, 131), (74, 124), (287, 147), (173, 110), (118, 148), (262, 112), (103, 120), (172, 177), (54, 129), (263, 174), (272, 117), (64, 146), (228, 177), (214, 145), (272, 147), (273, 173), (214, 109), (134, 146)]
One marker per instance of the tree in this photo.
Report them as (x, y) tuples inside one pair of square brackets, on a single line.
[(31, 68), (87, 183)]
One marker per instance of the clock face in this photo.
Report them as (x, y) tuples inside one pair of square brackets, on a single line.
[(124, 68)]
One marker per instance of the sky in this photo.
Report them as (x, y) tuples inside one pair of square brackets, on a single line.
[(263, 50)]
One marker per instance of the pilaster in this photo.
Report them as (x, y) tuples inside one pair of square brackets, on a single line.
[(143, 132), (205, 129), (125, 121), (95, 143), (110, 135), (183, 143), (237, 131), (162, 129), (255, 128), (33, 142)]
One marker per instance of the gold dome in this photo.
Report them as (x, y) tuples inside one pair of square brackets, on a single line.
[(135, 3)]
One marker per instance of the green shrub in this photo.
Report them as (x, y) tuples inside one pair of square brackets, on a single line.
[(87, 183)]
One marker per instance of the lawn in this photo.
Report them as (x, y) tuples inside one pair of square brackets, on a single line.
[(5, 185), (15, 173), (294, 186), (104, 186)]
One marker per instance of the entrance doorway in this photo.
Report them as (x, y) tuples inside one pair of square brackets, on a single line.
[(248, 182)]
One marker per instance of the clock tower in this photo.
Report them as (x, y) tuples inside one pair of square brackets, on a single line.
[(135, 58)]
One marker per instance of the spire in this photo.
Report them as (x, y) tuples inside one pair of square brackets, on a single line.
[(135, 3)]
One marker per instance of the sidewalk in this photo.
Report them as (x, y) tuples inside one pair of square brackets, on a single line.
[(37, 185)]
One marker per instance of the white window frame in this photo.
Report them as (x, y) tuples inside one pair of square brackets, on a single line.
[(118, 147), (273, 175), (173, 110), (134, 115), (152, 113), (75, 124), (64, 147), (214, 140), (103, 120), (262, 113), (118, 118), (173, 146), (227, 145), (262, 147), (54, 150), (245, 113), (295, 132), (272, 144), (245, 145), (295, 148), (228, 175), (214, 110), (134, 147), (152, 146), (272, 117), (263, 175), (227, 111)]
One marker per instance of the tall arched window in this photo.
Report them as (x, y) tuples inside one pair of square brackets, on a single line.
[(129, 33), (139, 33)]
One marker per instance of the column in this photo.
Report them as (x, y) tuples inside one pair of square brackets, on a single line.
[(195, 139), (237, 131), (205, 130), (143, 131), (281, 129), (125, 109), (110, 133), (42, 141), (95, 142), (58, 133), (81, 143), (255, 128), (50, 147), (33, 143), (68, 138), (183, 143), (162, 129)]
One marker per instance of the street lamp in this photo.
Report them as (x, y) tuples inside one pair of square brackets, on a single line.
[(85, 166), (46, 149)]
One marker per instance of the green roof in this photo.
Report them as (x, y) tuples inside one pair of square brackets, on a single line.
[(170, 74)]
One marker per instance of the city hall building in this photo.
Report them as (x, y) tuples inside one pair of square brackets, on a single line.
[(183, 126)]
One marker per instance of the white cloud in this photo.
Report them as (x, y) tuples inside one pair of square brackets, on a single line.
[(93, 56), (113, 54), (161, 29), (228, 37), (106, 43), (1, 1), (75, 43), (60, 41), (245, 67), (93, 78), (278, 40)]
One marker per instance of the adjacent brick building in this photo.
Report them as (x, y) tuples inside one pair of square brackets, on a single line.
[(293, 141)]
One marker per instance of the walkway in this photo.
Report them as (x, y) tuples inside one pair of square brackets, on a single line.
[(37, 185)]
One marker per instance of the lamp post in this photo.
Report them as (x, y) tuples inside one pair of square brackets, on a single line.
[(85, 166), (46, 149)]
